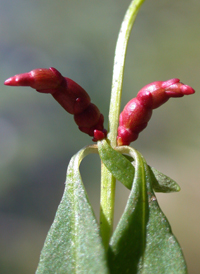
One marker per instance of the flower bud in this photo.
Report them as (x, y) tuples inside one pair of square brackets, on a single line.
[(43, 80), (72, 97), (137, 112)]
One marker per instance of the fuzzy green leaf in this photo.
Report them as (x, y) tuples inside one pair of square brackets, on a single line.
[(143, 241), (128, 242), (163, 253), (73, 244), (120, 167), (162, 183)]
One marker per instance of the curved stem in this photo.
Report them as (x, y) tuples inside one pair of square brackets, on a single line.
[(107, 180), (118, 69)]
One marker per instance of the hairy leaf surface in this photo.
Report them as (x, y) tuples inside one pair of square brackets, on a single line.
[(143, 241), (73, 244)]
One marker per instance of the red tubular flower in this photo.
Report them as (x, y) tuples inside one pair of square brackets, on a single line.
[(72, 97), (136, 114)]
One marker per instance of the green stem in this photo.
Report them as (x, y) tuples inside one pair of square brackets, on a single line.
[(107, 180), (118, 69)]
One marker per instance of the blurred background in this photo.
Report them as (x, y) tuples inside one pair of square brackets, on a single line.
[(38, 138)]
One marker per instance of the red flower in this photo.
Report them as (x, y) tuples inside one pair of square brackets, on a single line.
[(136, 114), (72, 97)]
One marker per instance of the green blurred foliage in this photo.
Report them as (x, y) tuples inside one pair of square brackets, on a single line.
[(37, 137)]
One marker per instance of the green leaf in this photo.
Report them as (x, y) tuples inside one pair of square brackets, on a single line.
[(163, 253), (162, 183), (127, 244), (121, 168), (143, 241), (73, 244), (116, 163)]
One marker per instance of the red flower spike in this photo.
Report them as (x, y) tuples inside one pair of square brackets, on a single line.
[(136, 114), (72, 97)]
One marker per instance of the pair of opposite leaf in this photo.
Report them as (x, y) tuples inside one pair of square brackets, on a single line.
[(75, 100)]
